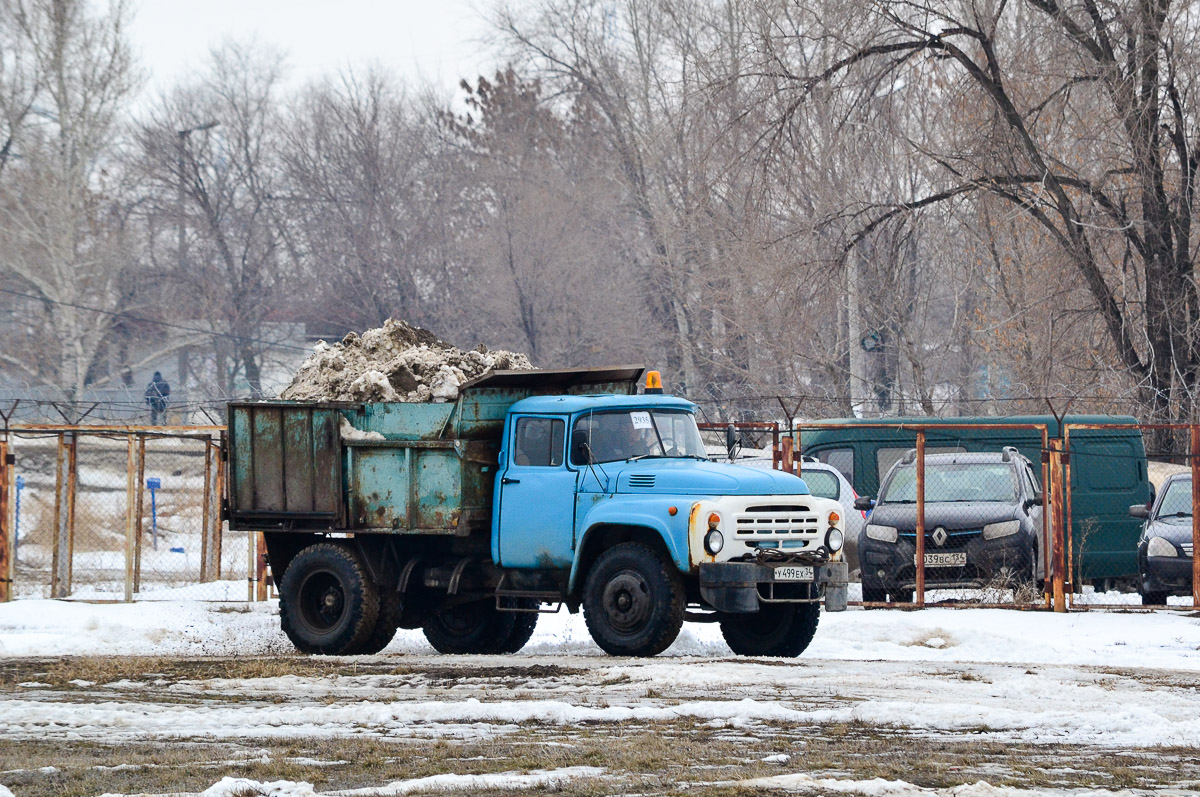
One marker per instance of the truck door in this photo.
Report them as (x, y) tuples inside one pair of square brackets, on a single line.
[(536, 526)]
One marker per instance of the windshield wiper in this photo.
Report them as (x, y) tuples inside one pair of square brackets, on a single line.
[(647, 456), (1176, 514)]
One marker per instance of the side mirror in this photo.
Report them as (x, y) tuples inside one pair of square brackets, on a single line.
[(864, 503), (1140, 511), (1034, 501)]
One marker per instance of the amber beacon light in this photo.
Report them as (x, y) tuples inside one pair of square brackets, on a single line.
[(654, 382)]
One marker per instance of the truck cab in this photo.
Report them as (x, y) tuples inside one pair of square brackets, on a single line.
[(604, 502)]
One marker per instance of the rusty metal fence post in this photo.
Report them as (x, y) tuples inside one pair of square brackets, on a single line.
[(1194, 446), (1059, 508), (260, 565), (6, 569), (140, 511), (131, 471), (920, 554), (64, 515)]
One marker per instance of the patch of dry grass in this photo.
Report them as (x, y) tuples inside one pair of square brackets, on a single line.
[(685, 755), (657, 757)]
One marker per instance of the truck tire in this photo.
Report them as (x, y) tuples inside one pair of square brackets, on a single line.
[(633, 601), (471, 628), (779, 629), (327, 605), (524, 624), (391, 606)]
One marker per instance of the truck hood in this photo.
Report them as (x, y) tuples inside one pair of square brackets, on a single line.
[(952, 515), (694, 477)]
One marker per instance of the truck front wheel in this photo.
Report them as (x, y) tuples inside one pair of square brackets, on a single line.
[(633, 601), (327, 604), (776, 629)]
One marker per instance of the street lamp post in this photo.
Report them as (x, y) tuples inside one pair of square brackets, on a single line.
[(181, 244)]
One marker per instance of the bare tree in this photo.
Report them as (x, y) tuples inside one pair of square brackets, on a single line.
[(1080, 117), (62, 230), (210, 159)]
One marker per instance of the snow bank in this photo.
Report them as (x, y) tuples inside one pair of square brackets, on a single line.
[(878, 787), (540, 779), (1164, 639), (395, 362)]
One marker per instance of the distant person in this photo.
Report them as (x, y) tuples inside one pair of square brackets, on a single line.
[(158, 393)]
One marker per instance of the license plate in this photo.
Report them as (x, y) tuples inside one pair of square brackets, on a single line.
[(944, 559), (793, 573)]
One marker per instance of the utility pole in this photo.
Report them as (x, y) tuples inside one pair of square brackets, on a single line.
[(181, 243)]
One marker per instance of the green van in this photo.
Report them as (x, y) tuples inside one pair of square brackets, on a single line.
[(1108, 471)]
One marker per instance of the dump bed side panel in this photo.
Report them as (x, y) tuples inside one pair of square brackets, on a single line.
[(285, 464)]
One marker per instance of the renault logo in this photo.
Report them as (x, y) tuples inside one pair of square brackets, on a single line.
[(939, 536)]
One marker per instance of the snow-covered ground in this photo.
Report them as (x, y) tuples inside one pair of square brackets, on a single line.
[(1118, 681)]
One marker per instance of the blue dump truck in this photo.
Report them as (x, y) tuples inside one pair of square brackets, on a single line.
[(533, 489)]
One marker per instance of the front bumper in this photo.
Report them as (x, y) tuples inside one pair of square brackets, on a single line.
[(892, 566), (741, 587), (1169, 574)]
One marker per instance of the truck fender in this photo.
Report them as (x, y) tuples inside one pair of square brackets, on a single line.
[(625, 523)]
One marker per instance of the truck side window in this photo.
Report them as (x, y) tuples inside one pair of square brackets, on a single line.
[(840, 458), (539, 441)]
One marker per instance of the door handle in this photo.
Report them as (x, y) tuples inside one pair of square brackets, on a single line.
[(506, 480)]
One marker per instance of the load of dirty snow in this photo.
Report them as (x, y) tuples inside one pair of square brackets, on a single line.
[(395, 362), (350, 433)]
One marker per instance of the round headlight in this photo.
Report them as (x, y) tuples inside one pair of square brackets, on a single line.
[(834, 539), (714, 541)]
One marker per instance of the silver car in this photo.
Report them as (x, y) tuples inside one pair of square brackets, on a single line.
[(826, 481)]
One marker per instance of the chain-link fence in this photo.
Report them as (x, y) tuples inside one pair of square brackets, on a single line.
[(1131, 520), (1079, 513), (109, 513), (1027, 512)]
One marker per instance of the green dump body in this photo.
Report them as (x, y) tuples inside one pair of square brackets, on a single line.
[(405, 468)]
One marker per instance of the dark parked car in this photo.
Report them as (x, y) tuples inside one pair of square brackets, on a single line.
[(1165, 547), (983, 521)]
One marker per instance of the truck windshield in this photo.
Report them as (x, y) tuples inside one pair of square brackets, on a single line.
[(962, 482), (635, 434)]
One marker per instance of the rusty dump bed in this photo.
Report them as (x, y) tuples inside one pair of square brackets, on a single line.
[(406, 469)]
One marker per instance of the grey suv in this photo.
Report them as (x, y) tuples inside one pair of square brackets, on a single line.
[(983, 521)]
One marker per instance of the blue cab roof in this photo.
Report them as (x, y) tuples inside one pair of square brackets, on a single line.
[(565, 405)]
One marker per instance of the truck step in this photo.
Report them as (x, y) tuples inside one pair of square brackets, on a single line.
[(541, 596)]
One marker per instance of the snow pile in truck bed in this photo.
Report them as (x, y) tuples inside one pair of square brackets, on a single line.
[(395, 362)]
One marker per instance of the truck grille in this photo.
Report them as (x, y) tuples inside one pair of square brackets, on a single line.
[(772, 521), (1187, 548)]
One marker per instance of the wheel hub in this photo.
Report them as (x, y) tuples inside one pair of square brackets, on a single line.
[(627, 601), (322, 602)]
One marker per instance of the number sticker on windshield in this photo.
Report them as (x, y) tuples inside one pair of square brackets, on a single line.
[(641, 420)]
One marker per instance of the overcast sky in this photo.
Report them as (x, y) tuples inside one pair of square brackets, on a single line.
[(439, 40)]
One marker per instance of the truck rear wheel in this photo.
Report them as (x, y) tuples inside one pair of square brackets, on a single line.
[(391, 606), (776, 629), (471, 628), (327, 605), (524, 624), (633, 601)]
